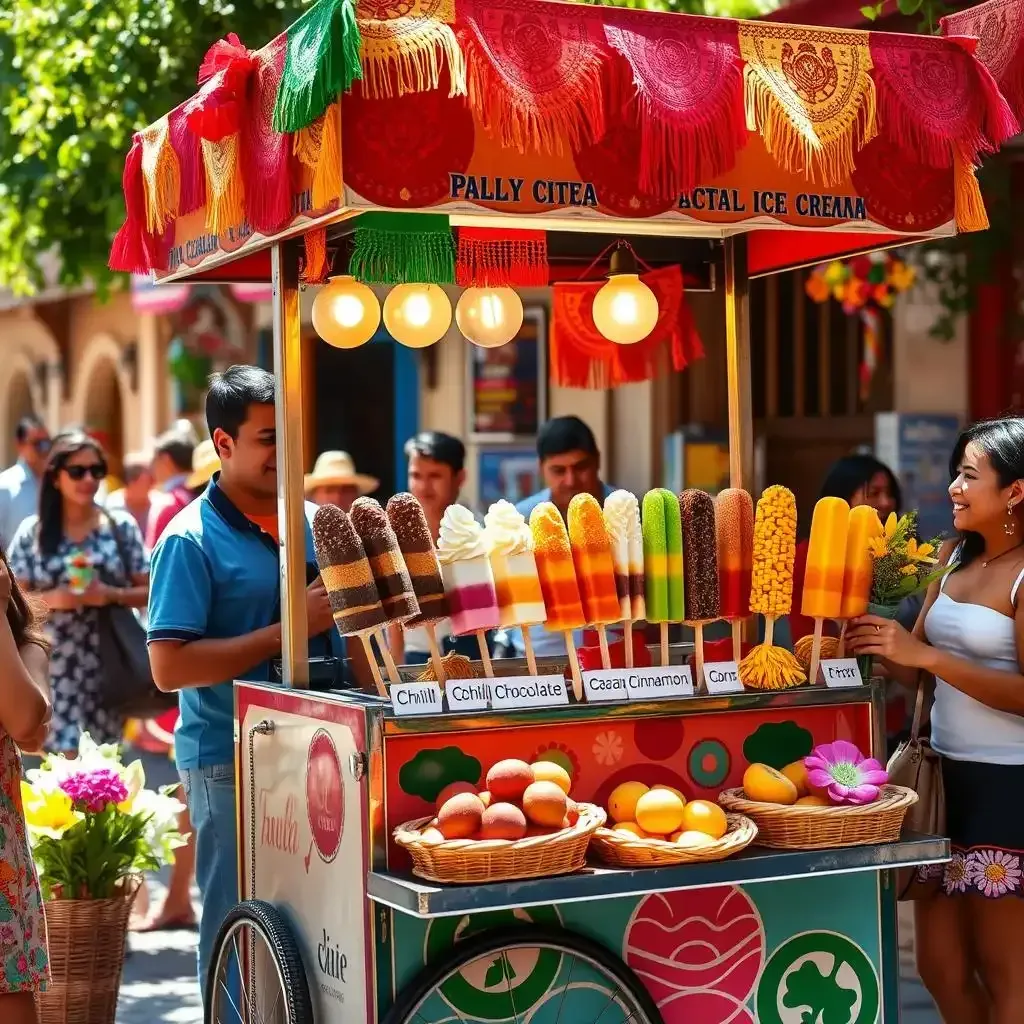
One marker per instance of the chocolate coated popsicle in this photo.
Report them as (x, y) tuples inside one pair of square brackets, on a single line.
[(405, 514), (389, 570)]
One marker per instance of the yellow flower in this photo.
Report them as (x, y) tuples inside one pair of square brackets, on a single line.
[(920, 552), (891, 525), (48, 813), (908, 570), (878, 546)]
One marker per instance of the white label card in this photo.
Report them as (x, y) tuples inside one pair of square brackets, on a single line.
[(605, 685), (617, 684), (722, 677), (528, 692), (840, 672), (410, 699), (468, 694)]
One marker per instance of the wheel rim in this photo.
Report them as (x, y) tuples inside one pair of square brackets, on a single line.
[(246, 952), (499, 987)]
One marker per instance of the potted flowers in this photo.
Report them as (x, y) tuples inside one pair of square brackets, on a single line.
[(93, 828)]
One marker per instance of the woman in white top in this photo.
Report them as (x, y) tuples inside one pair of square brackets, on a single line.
[(970, 638)]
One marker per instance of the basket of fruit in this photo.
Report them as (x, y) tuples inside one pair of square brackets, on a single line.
[(523, 825), (657, 827), (834, 797)]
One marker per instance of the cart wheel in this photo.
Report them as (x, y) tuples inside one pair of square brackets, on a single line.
[(528, 975), (256, 943)]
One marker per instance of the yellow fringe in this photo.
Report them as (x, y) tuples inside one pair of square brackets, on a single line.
[(162, 176), (770, 668), (409, 54), (327, 170), (315, 269), (225, 190), (307, 142), (971, 214)]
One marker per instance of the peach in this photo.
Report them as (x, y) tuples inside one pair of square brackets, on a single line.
[(507, 780), (503, 821), (460, 816), (545, 804), (453, 789), (548, 771)]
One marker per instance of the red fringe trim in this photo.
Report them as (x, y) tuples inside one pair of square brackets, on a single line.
[(314, 270), (134, 249), (493, 258), (190, 164)]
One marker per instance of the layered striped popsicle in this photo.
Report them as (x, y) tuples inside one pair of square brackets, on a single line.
[(663, 556), (734, 530), (466, 572), (405, 514), (389, 570), (592, 557), (516, 580), (622, 517), (826, 559), (859, 571), (557, 572)]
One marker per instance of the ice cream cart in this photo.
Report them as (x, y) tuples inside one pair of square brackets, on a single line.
[(750, 146)]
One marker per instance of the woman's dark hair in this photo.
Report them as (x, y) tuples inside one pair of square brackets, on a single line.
[(1002, 441), (51, 503), (852, 472), (24, 615)]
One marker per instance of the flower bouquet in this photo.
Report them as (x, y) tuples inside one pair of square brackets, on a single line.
[(93, 827)]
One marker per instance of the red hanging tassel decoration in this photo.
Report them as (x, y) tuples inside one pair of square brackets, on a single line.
[(217, 110), (314, 270), (134, 249), (500, 258), (190, 164)]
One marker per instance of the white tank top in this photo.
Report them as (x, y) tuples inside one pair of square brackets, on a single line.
[(963, 728)]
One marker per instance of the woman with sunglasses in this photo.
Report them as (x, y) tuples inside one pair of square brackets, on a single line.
[(72, 558)]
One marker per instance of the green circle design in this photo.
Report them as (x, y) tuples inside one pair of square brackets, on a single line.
[(716, 775), (843, 950), (466, 999)]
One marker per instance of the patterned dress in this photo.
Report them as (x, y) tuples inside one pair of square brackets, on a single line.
[(75, 672), (23, 963)]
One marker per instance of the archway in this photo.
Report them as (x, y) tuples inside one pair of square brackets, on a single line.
[(19, 401), (100, 391)]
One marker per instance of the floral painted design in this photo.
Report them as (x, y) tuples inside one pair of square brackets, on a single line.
[(608, 748), (993, 872), (23, 964)]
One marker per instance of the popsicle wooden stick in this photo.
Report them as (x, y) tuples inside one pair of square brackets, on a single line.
[(698, 654), (627, 636), (485, 654), (574, 668), (389, 661), (737, 640), (812, 673), (371, 658), (769, 630), (602, 639), (841, 646), (531, 658), (664, 643), (435, 655)]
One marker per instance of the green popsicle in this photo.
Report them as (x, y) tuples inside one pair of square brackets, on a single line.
[(674, 536), (661, 527)]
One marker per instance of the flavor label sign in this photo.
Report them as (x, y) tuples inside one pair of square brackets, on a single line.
[(528, 692), (722, 677), (616, 684), (838, 673), (468, 694), (412, 699)]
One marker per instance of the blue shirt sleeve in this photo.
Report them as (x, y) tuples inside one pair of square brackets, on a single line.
[(180, 590)]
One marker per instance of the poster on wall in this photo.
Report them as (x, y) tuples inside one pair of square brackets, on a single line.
[(508, 385), (509, 472), (695, 457)]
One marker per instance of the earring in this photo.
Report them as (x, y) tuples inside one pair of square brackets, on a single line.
[(1010, 526)]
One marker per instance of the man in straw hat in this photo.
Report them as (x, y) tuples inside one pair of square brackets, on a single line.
[(334, 481)]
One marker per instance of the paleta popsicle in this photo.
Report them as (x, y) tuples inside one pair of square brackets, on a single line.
[(622, 517), (558, 582), (516, 582), (405, 514), (823, 578), (734, 532), (468, 580), (347, 575), (702, 603), (663, 561), (389, 570), (595, 568), (859, 571)]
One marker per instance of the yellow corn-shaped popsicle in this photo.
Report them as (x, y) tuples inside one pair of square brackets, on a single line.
[(771, 589)]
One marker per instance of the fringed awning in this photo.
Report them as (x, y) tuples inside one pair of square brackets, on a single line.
[(403, 248), (501, 258)]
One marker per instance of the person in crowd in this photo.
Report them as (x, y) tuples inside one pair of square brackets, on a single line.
[(436, 473), (214, 617), (171, 466), (24, 717), (136, 496), (570, 464), (77, 557), (334, 481), (19, 485), (969, 637)]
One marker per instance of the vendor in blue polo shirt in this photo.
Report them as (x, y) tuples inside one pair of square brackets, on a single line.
[(570, 464), (214, 610)]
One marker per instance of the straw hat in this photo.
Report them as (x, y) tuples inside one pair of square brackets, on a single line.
[(336, 469), (205, 463)]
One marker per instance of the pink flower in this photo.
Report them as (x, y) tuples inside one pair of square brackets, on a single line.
[(94, 790), (849, 777), (993, 872)]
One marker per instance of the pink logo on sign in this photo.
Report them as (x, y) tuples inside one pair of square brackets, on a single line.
[(325, 795)]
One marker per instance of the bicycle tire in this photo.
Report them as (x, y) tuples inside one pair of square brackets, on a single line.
[(267, 920), (433, 976)]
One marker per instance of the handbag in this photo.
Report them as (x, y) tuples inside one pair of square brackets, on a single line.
[(127, 684), (915, 765)]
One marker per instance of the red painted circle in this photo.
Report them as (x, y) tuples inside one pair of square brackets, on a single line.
[(325, 795), (658, 738)]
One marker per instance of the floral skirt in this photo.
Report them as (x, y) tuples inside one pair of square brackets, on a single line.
[(986, 830)]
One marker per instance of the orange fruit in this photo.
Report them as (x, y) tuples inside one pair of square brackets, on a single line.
[(704, 816), (814, 801), (659, 811), (767, 785), (622, 802), (692, 839), (632, 828), (797, 774), (671, 789), (548, 771)]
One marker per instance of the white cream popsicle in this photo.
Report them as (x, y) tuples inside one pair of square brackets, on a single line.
[(622, 517), (516, 583), (466, 572)]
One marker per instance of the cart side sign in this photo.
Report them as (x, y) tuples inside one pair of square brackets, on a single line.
[(325, 797)]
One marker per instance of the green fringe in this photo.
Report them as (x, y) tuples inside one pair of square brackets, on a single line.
[(403, 248), (322, 61)]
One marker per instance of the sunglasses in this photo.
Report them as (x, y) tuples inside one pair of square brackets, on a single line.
[(97, 471)]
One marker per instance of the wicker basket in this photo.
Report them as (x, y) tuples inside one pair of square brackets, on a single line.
[(622, 850), (806, 827), (86, 945), (498, 860)]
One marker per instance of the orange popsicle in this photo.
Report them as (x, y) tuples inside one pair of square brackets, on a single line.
[(556, 570), (592, 557), (826, 559), (734, 530), (859, 574)]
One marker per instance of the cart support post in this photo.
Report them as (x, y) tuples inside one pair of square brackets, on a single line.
[(291, 517), (737, 360)]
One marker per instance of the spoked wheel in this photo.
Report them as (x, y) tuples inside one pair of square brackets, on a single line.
[(256, 973), (526, 975)]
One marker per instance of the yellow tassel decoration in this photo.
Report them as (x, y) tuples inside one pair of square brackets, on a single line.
[(771, 668), (969, 205), (327, 170), (225, 190), (161, 174)]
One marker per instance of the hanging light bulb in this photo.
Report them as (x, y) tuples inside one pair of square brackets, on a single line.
[(417, 315), (625, 309), (346, 314), (489, 317)]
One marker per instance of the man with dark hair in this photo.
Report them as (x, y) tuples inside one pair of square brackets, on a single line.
[(19, 485), (136, 496), (214, 613), (172, 463)]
